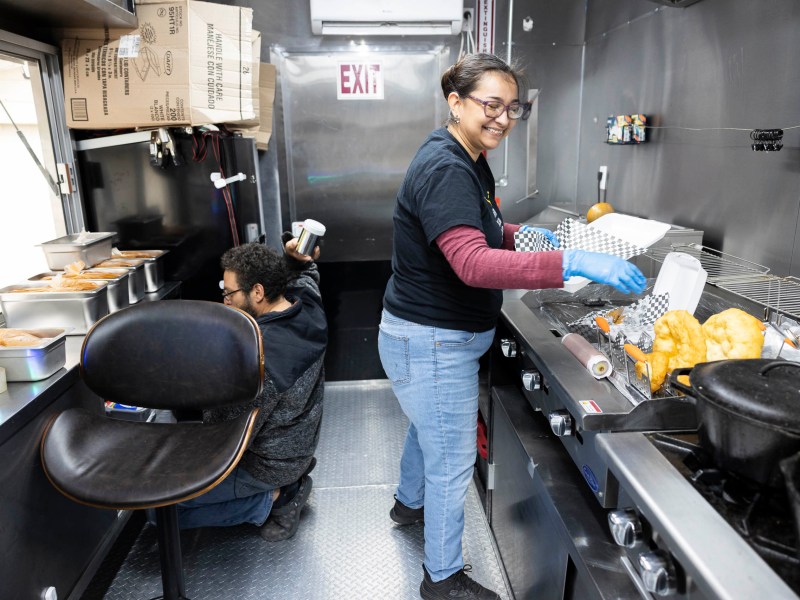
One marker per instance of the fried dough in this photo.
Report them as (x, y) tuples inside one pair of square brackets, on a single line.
[(733, 334), (679, 342)]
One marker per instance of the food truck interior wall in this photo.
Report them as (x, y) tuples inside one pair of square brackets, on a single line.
[(705, 74)]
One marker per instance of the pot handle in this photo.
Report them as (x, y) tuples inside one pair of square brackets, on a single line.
[(777, 363), (673, 380)]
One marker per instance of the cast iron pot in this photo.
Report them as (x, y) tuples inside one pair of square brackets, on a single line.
[(748, 413), (791, 473)]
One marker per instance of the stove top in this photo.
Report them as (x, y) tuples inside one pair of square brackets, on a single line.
[(763, 517)]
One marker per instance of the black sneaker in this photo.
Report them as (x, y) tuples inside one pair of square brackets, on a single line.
[(283, 521), (458, 585), (403, 515)]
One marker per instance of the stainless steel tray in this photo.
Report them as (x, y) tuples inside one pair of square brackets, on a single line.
[(153, 266), (118, 287), (91, 249), (77, 310), (32, 363), (136, 275)]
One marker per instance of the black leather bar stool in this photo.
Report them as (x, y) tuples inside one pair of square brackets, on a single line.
[(174, 354)]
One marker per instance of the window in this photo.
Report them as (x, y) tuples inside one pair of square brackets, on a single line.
[(33, 140)]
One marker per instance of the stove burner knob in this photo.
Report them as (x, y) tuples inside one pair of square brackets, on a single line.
[(508, 347), (626, 529), (658, 573), (531, 380), (560, 423)]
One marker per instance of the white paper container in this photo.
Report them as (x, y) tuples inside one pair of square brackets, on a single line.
[(684, 278), (640, 232)]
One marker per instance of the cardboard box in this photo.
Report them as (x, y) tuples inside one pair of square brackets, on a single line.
[(266, 88), (254, 73), (188, 63), (262, 131)]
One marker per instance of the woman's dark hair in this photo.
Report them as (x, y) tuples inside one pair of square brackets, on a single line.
[(256, 263), (463, 77)]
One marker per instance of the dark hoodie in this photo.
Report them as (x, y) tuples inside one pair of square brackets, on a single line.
[(286, 432)]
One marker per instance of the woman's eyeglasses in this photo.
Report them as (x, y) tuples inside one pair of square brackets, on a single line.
[(226, 293), (493, 108)]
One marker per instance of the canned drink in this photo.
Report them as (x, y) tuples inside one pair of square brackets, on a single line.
[(307, 240)]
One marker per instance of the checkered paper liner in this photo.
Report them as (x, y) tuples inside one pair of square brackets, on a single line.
[(573, 234), (532, 241), (648, 309), (644, 312)]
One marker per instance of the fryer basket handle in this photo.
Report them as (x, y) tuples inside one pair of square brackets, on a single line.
[(673, 380)]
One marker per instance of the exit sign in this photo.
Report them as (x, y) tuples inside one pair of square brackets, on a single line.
[(359, 81)]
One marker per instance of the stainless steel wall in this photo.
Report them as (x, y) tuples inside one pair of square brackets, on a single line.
[(551, 55), (346, 159), (716, 64), (286, 24)]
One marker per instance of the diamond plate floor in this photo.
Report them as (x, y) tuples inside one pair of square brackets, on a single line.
[(346, 547)]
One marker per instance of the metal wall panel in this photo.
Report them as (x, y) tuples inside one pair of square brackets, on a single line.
[(174, 207), (346, 158), (715, 64), (551, 54)]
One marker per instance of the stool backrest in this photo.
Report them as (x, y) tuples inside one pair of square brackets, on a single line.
[(174, 354)]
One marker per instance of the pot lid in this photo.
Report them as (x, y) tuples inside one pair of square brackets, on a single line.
[(765, 390)]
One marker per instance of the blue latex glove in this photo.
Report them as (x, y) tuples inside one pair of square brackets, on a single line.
[(603, 268), (545, 232)]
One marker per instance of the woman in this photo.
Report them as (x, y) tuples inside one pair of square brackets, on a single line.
[(452, 256)]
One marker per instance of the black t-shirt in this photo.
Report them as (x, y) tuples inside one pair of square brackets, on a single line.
[(443, 188)]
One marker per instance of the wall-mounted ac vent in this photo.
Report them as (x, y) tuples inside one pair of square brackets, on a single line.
[(387, 17), (676, 3)]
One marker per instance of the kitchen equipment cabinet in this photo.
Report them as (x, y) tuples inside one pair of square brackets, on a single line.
[(550, 531), (49, 541)]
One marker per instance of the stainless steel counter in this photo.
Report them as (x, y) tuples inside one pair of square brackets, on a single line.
[(23, 400), (65, 540), (678, 544)]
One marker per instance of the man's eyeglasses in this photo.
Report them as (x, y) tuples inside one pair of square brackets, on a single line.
[(226, 293), (494, 108)]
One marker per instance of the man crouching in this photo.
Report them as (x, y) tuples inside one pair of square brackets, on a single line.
[(271, 484)]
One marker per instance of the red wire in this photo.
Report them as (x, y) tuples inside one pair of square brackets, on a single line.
[(200, 150)]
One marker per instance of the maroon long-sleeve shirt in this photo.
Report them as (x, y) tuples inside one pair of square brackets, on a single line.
[(478, 265)]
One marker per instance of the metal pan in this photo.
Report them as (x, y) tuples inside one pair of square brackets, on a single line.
[(33, 363)]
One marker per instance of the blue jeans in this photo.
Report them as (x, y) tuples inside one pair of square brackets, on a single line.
[(434, 374), (239, 498)]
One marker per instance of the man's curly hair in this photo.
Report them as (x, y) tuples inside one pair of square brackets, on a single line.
[(256, 263)]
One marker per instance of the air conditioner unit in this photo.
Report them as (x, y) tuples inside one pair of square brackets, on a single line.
[(387, 17)]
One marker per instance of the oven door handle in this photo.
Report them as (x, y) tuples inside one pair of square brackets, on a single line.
[(633, 574)]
